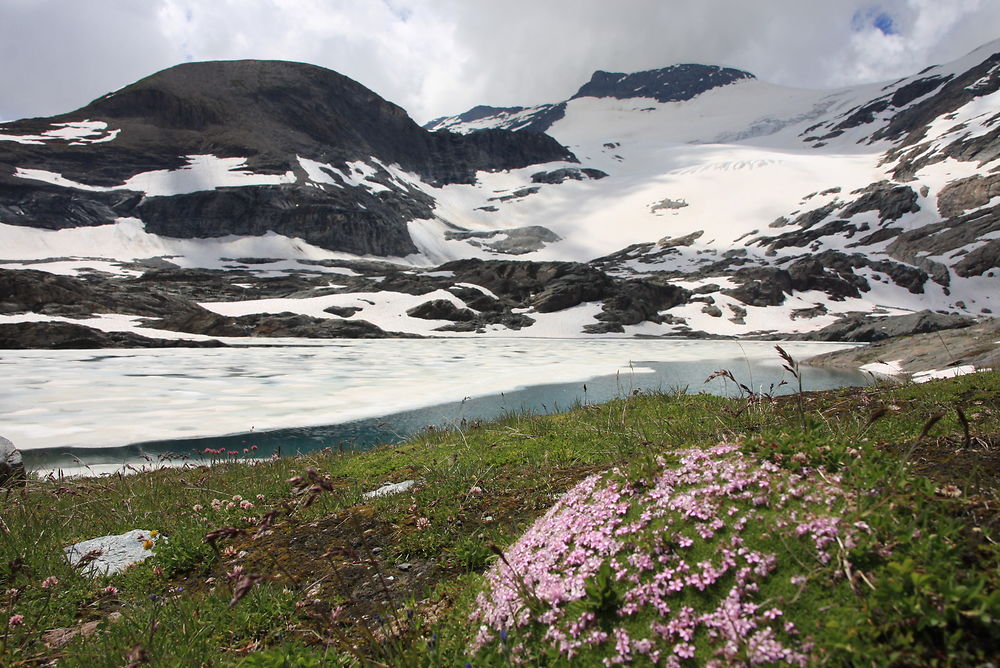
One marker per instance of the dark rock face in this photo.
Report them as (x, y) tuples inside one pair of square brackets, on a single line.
[(68, 335), (981, 260), (951, 235), (559, 175), (669, 84), (297, 212), (891, 201), (268, 113), (536, 119), (12, 472), (761, 286), (911, 123), (478, 112), (961, 195), (862, 329), (810, 273), (441, 309), (26, 290), (296, 325), (901, 97), (548, 286), (639, 300)]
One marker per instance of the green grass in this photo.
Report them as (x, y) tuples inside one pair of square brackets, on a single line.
[(393, 580)]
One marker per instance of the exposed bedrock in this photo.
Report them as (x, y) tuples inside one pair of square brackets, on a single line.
[(952, 237), (307, 213), (567, 173), (441, 309), (962, 195), (831, 272), (889, 199), (70, 335), (865, 329)]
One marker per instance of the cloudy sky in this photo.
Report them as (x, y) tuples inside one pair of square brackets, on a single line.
[(437, 57)]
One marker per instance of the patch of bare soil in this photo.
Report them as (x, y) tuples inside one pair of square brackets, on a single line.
[(357, 590)]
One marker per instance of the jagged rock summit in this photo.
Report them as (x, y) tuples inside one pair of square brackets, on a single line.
[(669, 84)]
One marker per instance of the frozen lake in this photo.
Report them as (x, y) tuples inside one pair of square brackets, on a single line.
[(106, 407)]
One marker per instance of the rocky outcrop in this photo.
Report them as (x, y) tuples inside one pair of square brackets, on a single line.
[(951, 235), (637, 301), (760, 286), (297, 325), (961, 195), (865, 329), (547, 286), (911, 124), (889, 199), (567, 173), (59, 335), (668, 84), (441, 309)]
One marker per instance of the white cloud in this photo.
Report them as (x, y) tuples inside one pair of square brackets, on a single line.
[(437, 57)]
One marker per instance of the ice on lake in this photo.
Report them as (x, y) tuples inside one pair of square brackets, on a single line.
[(94, 401)]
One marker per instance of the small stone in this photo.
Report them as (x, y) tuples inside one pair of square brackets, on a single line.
[(405, 566)]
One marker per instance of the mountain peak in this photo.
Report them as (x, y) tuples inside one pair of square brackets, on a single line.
[(668, 84)]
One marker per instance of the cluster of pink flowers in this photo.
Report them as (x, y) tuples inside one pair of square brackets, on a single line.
[(644, 531), (224, 451), (237, 501)]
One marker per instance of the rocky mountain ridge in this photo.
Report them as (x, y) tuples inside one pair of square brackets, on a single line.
[(255, 198), (273, 120)]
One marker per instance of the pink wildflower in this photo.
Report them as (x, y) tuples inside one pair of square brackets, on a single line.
[(15, 620), (684, 650), (111, 591), (246, 505), (50, 581)]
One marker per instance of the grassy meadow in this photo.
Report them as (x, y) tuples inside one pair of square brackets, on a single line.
[(846, 527)]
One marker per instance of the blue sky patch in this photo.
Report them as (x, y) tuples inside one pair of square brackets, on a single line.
[(874, 18)]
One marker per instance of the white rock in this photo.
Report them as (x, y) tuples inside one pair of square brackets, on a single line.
[(390, 488), (117, 552)]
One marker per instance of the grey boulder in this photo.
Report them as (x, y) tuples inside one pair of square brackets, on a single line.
[(11, 465)]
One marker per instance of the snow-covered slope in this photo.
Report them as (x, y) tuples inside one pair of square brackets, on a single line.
[(704, 199)]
